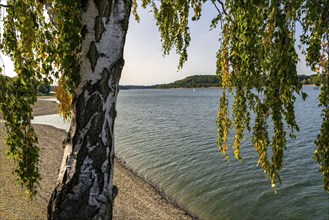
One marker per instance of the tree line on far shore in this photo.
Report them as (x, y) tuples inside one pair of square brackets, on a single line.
[(196, 81), (206, 81)]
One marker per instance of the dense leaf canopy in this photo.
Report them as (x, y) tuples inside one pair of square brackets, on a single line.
[(42, 49), (256, 54)]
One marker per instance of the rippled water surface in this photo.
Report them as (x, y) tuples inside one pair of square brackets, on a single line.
[(169, 137)]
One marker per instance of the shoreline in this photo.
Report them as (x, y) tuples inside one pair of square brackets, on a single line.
[(181, 210), (138, 198), (157, 188)]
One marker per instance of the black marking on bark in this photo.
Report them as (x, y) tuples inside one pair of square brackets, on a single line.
[(93, 106), (95, 129), (93, 55), (125, 19), (103, 84), (113, 112), (104, 7), (116, 71), (84, 5), (99, 28), (93, 138), (65, 176), (84, 31), (70, 206), (57, 206)]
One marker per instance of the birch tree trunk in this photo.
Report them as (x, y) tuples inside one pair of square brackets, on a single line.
[(84, 186)]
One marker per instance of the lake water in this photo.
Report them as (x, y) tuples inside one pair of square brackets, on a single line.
[(169, 138)]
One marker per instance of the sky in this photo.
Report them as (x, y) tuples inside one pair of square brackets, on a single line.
[(144, 60), (145, 65)]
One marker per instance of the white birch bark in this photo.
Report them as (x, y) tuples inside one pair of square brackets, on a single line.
[(84, 187)]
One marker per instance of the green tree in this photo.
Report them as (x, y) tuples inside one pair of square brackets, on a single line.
[(81, 43), (43, 88)]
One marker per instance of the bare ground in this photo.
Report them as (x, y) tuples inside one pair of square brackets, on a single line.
[(136, 198)]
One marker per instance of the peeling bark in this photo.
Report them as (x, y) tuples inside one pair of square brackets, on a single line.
[(84, 188)]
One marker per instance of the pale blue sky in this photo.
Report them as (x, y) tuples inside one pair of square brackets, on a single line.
[(144, 63)]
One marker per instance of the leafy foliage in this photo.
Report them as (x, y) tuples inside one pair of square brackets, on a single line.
[(316, 27), (15, 106), (42, 49), (258, 46), (315, 79), (65, 100), (256, 63)]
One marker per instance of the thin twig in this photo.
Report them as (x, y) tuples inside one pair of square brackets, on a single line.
[(5, 6), (303, 26), (223, 7), (219, 12)]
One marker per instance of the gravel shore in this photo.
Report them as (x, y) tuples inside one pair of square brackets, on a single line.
[(136, 198)]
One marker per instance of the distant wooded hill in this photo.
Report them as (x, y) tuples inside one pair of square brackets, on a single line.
[(205, 81), (193, 82)]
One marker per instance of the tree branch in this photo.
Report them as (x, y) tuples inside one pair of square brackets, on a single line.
[(5, 6), (223, 7), (219, 12), (304, 28)]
